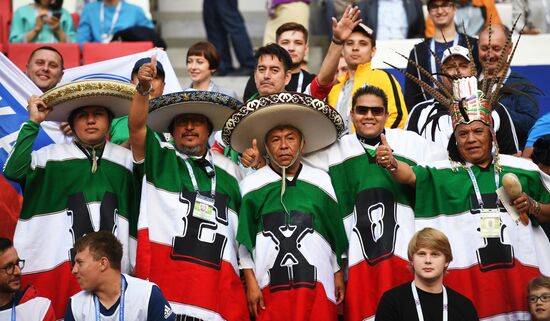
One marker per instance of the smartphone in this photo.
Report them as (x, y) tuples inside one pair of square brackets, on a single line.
[(57, 14)]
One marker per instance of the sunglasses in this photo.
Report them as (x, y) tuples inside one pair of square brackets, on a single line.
[(364, 110)]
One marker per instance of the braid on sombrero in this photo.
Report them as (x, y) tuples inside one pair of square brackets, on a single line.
[(429, 75), (431, 90), (486, 62)]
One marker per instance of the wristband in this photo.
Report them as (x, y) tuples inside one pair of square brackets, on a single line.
[(337, 41)]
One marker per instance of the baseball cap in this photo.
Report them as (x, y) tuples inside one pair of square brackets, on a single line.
[(142, 61), (455, 51)]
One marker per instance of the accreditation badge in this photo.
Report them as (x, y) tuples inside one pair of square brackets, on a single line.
[(204, 208), (490, 222)]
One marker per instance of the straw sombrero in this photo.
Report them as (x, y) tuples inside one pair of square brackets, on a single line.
[(217, 107), (112, 94), (320, 124)]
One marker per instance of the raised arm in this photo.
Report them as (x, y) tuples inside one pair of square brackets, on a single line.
[(400, 171), (137, 119)]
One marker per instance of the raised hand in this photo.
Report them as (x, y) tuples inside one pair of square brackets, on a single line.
[(147, 72), (251, 156), (384, 156), (343, 28), (38, 110)]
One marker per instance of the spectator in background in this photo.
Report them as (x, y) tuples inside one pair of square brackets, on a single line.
[(541, 153), (474, 14), (202, 62), (45, 67), (541, 128), (441, 13), (521, 102), (294, 38), (101, 20), (359, 49), (14, 302), (44, 21), (539, 298), (222, 19), (283, 11), (535, 16), (394, 19)]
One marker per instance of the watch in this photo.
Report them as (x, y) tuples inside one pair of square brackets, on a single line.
[(144, 92)]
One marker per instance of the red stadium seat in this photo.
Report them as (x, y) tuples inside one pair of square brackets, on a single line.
[(94, 52), (19, 53), (3, 38), (6, 12), (76, 19)]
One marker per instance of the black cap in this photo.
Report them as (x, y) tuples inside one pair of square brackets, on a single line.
[(139, 63)]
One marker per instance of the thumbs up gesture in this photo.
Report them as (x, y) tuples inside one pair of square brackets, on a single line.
[(251, 156), (384, 156), (146, 73)]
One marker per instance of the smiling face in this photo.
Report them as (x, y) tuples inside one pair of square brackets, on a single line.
[(442, 13), (540, 311), (9, 283), (295, 43), (190, 132), (358, 50), (91, 124), (369, 116), (455, 66), (428, 265), (45, 69), (489, 55), (198, 69), (284, 144), (474, 143), (270, 75)]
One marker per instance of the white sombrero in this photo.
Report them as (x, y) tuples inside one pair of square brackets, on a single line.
[(320, 124), (111, 94), (217, 107)]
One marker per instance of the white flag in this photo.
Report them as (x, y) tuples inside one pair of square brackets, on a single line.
[(121, 69)]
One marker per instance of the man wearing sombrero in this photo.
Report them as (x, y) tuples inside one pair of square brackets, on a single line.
[(72, 189), (190, 200), (475, 201), (291, 235)]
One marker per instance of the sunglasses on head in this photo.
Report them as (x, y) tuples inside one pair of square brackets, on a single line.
[(364, 110)]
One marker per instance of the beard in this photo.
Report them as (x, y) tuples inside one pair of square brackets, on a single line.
[(190, 151)]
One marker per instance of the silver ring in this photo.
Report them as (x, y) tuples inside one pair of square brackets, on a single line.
[(525, 203), (383, 158)]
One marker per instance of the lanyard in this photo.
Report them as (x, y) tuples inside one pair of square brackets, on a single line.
[(432, 58), (300, 82), (194, 179), (476, 186), (121, 311), (13, 316), (113, 22), (419, 307)]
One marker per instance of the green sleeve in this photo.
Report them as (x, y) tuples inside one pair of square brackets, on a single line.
[(19, 160), (248, 223), (119, 132)]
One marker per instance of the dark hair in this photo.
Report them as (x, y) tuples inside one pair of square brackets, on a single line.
[(538, 282), (274, 49), (5, 244), (370, 90), (53, 4), (50, 49), (281, 127), (206, 49), (371, 36), (541, 150), (73, 113), (291, 26), (101, 244)]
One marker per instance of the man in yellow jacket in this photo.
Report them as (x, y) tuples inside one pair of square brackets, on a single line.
[(359, 48)]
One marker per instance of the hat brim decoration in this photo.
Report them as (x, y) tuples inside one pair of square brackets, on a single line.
[(320, 124), (111, 94), (215, 106)]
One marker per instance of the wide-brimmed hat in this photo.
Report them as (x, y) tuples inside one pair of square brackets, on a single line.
[(111, 94), (320, 124), (215, 106)]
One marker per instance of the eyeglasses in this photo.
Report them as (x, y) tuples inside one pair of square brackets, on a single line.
[(444, 5), (364, 110), (10, 268), (543, 298)]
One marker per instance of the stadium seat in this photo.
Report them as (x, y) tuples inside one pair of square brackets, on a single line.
[(94, 52), (19, 53), (5, 19)]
